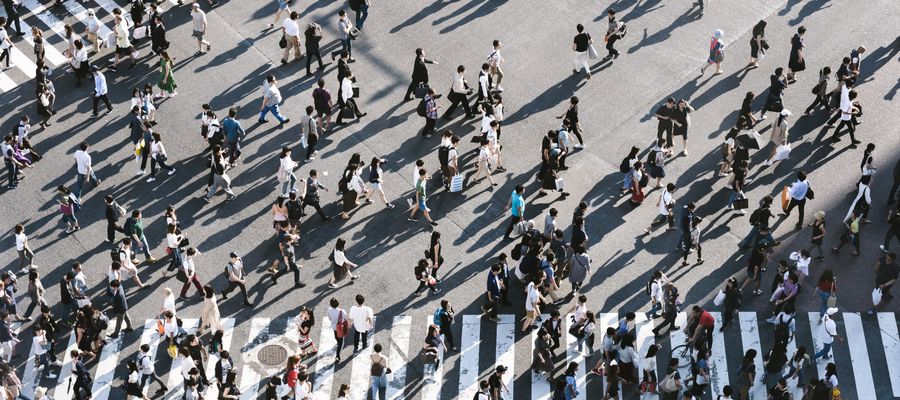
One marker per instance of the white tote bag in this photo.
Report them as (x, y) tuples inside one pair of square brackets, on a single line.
[(782, 152), (876, 296), (720, 298), (456, 184)]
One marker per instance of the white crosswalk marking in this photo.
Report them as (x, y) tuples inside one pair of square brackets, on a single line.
[(859, 356), (643, 339), (506, 346), (433, 376), (750, 340), (22, 62), (176, 379), (52, 56), (79, 12), (250, 379), (718, 365), (106, 368), (399, 356), (469, 345), (40, 11), (6, 84), (66, 380), (890, 342), (607, 320), (359, 373), (796, 391), (540, 388), (677, 337), (151, 337), (815, 327), (212, 392), (31, 377), (325, 362)]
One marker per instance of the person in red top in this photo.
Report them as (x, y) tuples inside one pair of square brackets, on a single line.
[(704, 326), (294, 368)]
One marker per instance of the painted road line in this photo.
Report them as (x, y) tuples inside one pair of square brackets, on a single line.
[(433, 377), (106, 367), (176, 379), (816, 327), (250, 379), (52, 56), (750, 340), (859, 356), (506, 346), (360, 370), (677, 337), (325, 362), (212, 392), (150, 336), (399, 357), (890, 340), (607, 320), (796, 391), (470, 344), (66, 380), (644, 338), (540, 388), (718, 365)]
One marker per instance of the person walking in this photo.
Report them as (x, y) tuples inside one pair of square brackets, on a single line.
[(516, 205), (120, 308), (339, 325), (346, 100), (123, 44), (84, 169), (311, 194), (886, 272), (285, 173), (312, 36), (270, 101), (378, 372), (796, 62), (189, 273), (346, 34), (26, 256), (166, 81), (209, 314), (614, 32), (199, 25), (459, 92), (100, 91), (431, 112), (681, 120), (799, 191), (825, 289), (419, 74), (234, 271), (159, 156), (716, 53), (893, 231), (309, 134), (827, 335), (12, 16), (777, 83), (5, 42), (779, 137), (362, 318), (580, 45), (340, 265), (290, 31), (322, 102), (823, 95), (495, 60), (758, 44), (421, 199), (218, 169), (847, 112)]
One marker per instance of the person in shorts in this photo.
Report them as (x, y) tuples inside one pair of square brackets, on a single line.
[(323, 104), (198, 18)]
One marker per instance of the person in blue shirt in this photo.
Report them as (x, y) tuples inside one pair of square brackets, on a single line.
[(516, 206), (233, 135), (494, 288)]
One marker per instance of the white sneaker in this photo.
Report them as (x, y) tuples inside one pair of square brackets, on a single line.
[(51, 376), (139, 172), (57, 363), (151, 179), (25, 271), (172, 172), (499, 88), (579, 146)]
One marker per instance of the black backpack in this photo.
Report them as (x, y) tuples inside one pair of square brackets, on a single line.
[(355, 4), (651, 159), (422, 108), (444, 155), (754, 218), (625, 166), (64, 296), (129, 225), (783, 330)]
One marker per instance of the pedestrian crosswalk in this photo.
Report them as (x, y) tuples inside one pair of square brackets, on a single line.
[(867, 361)]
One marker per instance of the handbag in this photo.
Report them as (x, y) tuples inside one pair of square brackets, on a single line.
[(283, 42), (355, 91), (342, 326), (810, 194), (720, 298), (592, 52), (560, 184), (577, 330), (876, 296), (421, 90), (347, 112), (354, 33), (160, 327), (836, 394), (456, 183), (832, 299), (140, 32), (667, 384), (181, 276), (172, 350)]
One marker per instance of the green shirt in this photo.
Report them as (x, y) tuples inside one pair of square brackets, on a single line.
[(420, 190), (137, 228)]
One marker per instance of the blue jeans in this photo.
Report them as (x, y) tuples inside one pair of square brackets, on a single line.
[(824, 296), (346, 46), (734, 196), (361, 15), (378, 382), (274, 109), (145, 247), (656, 307), (289, 184), (79, 181), (627, 184), (823, 352), (791, 371)]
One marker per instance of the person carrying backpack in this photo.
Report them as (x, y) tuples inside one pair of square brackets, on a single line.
[(428, 108)]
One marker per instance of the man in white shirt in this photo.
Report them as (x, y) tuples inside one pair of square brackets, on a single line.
[(271, 99), (494, 60), (346, 100), (292, 35), (363, 320), (484, 84), (26, 256), (827, 335), (23, 129), (309, 133), (657, 295), (198, 22), (85, 169), (798, 192), (532, 302), (190, 272), (335, 314), (847, 112), (99, 90), (147, 370), (666, 207), (459, 91)]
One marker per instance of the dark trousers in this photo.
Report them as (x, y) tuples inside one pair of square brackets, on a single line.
[(232, 285), (512, 223), (430, 124), (668, 319), (448, 336), (665, 127), (891, 234), (727, 317), (893, 191), (851, 129), (105, 101), (340, 344), (162, 164), (311, 141), (347, 104), (4, 55), (195, 281), (309, 56), (412, 88), (13, 18), (491, 307), (820, 100), (314, 202), (291, 266), (687, 251), (610, 46), (360, 337), (152, 378), (800, 204), (576, 129), (455, 100), (234, 151), (175, 259), (79, 386), (111, 229), (11, 171)]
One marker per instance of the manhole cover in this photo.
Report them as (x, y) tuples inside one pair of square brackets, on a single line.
[(272, 355)]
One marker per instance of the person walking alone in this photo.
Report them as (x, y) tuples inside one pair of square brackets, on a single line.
[(291, 33), (199, 25), (270, 101), (614, 32), (419, 74), (100, 91), (220, 178), (581, 44)]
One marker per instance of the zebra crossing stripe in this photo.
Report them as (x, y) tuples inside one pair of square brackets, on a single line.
[(718, 365), (52, 55), (325, 362), (399, 356), (31, 377), (816, 327), (23, 63), (50, 20), (432, 376), (179, 363), (890, 341), (63, 384), (644, 338), (360, 370), (150, 336), (250, 379), (607, 320), (6, 84), (796, 391), (859, 356), (677, 337), (80, 13), (106, 368), (212, 392), (506, 346), (540, 388), (469, 346), (750, 340)]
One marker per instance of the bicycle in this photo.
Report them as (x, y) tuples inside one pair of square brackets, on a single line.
[(684, 353)]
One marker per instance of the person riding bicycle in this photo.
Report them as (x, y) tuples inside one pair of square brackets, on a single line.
[(700, 328)]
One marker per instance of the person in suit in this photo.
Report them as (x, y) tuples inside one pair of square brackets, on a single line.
[(120, 307), (83, 379), (459, 94), (312, 36), (12, 16), (420, 73), (343, 67), (346, 100), (158, 35)]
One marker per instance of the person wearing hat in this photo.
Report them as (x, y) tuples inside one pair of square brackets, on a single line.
[(779, 135), (92, 27), (827, 334), (496, 384), (198, 21), (234, 270), (716, 52)]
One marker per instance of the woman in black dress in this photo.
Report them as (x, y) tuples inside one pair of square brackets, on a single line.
[(797, 62), (434, 253), (757, 43), (682, 120)]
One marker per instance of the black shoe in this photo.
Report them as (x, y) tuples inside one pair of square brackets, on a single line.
[(127, 330), (162, 390), (300, 285), (248, 304)]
